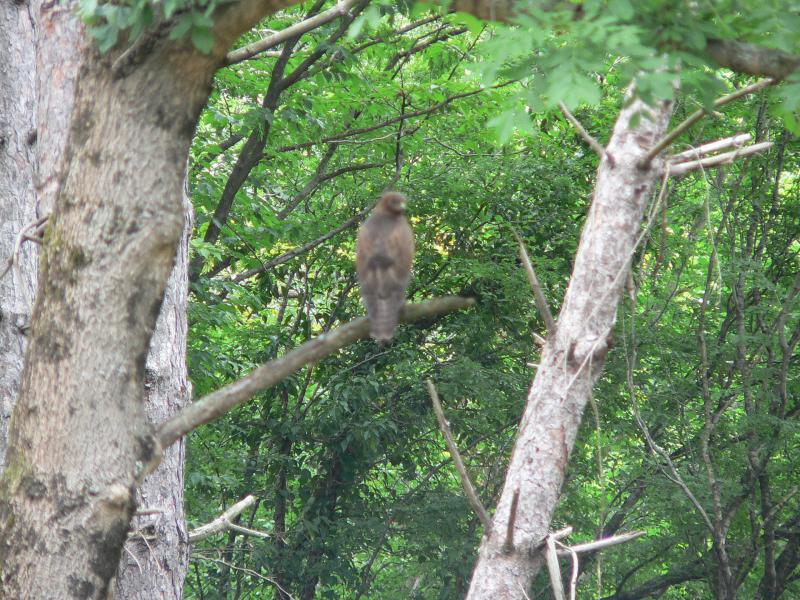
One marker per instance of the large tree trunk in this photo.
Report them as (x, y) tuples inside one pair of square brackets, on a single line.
[(79, 440), (572, 359)]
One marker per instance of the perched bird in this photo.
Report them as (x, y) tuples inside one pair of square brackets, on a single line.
[(383, 261)]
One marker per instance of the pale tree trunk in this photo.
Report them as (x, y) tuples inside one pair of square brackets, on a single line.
[(17, 197), (573, 357)]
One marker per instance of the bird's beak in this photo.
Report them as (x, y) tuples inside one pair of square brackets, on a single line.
[(402, 206)]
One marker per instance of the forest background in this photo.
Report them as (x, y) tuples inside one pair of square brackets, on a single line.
[(691, 432)]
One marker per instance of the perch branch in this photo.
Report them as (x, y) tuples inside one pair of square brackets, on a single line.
[(469, 490), (217, 403)]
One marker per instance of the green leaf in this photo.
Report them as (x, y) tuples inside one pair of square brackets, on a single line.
[(203, 39)]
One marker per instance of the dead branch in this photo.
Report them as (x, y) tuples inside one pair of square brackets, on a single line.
[(737, 140), (469, 490), (593, 143), (508, 546), (224, 522), (715, 161), (696, 116), (541, 301), (297, 29)]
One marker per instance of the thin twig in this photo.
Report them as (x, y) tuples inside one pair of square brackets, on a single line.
[(469, 490), (696, 116), (593, 143), (541, 301)]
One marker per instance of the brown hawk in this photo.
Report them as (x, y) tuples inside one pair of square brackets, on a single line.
[(383, 261)]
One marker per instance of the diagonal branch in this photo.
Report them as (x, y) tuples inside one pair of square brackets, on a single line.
[(538, 294), (217, 403), (251, 50), (696, 116), (593, 143), (469, 489), (287, 256)]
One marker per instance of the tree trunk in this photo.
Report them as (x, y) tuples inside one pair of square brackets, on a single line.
[(573, 357), (80, 441), (17, 197), (156, 555)]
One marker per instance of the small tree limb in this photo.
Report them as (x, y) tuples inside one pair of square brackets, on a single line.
[(219, 402), (541, 301), (593, 143), (508, 547), (469, 490), (601, 544), (697, 115), (714, 161), (552, 567), (223, 522), (251, 50), (696, 153)]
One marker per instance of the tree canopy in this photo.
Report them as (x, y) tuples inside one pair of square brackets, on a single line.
[(691, 430)]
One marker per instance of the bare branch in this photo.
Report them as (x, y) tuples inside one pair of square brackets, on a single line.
[(287, 256), (267, 375), (553, 568), (223, 522), (593, 143), (694, 153), (602, 544), (696, 116), (251, 50), (508, 547), (714, 161), (469, 490), (541, 301)]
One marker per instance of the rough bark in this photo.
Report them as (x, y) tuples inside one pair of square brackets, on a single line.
[(17, 197), (573, 357), (156, 555)]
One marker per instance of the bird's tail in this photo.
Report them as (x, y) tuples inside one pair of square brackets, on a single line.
[(383, 320)]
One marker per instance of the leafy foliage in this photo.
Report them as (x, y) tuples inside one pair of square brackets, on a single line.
[(354, 483)]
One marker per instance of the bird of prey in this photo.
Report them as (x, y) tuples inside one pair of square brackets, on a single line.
[(383, 262)]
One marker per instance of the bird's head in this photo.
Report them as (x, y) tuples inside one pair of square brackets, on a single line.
[(393, 203)]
